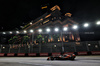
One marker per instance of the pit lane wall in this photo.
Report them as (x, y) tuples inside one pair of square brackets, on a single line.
[(48, 49)]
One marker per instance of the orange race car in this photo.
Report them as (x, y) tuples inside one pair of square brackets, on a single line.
[(62, 57)]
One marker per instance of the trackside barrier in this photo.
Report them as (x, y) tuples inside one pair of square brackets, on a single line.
[(31, 54), (10, 54), (2, 54), (43, 54), (82, 53), (69, 53), (21, 54), (55, 54), (95, 52)]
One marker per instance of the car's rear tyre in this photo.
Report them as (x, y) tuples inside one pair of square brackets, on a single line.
[(52, 58)]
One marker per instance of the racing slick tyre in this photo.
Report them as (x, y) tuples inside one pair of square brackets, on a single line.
[(52, 58), (48, 59), (72, 58)]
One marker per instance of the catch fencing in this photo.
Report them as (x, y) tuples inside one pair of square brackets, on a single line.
[(51, 47)]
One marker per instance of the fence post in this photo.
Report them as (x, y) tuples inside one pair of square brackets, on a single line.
[(0, 48), (9, 48), (87, 46), (19, 49), (29, 47), (74, 46), (99, 45), (32, 48)]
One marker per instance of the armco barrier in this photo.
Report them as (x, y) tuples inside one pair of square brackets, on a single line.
[(2, 54), (43, 54), (82, 53), (31, 54), (55, 54), (10, 54), (95, 52), (21, 54), (69, 53)]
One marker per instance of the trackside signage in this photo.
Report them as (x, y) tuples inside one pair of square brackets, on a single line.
[(10, 54), (95, 52), (2, 54), (43, 54), (31, 54), (69, 53), (82, 53), (21, 54), (55, 54)]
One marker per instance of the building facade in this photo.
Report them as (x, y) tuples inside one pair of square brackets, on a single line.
[(52, 20)]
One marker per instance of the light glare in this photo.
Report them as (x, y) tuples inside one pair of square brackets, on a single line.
[(40, 30), (56, 29), (98, 23), (4, 32), (25, 31), (75, 27), (86, 25), (10, 32), (17, 31), (30, 23), (65, 28), (31, 31), (48, 30)]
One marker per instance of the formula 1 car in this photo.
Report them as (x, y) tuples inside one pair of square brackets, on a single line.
[(62, 57)]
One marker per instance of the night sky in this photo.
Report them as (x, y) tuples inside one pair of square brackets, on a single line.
[(16, 13)]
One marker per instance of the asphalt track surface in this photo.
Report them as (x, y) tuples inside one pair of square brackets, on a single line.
[(41, 61)]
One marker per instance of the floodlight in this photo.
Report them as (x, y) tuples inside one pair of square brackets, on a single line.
[(75, 27), (48, 29), (31, 31), (65, 28), (40, 30), (56, 29), (86, 25)]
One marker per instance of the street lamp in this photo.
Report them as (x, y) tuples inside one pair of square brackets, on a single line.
[(31, 31), (25, 31), (56, 29), (86, 25), (4, 32), (65, 29), (48, 29), (30, 23), (98, 23), (40, 30), (10, 32), (17, 32), (75, 27)]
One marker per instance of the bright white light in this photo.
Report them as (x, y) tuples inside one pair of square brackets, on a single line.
[(17, 31), (3, 47), (65, 28), (75, 27), (31, 31), (86, 25), (40, 30), (56, 29), (4, 32), (89, 44), (98, 23), (10, 32), (30, 23), (48, 29), (25, 31)]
